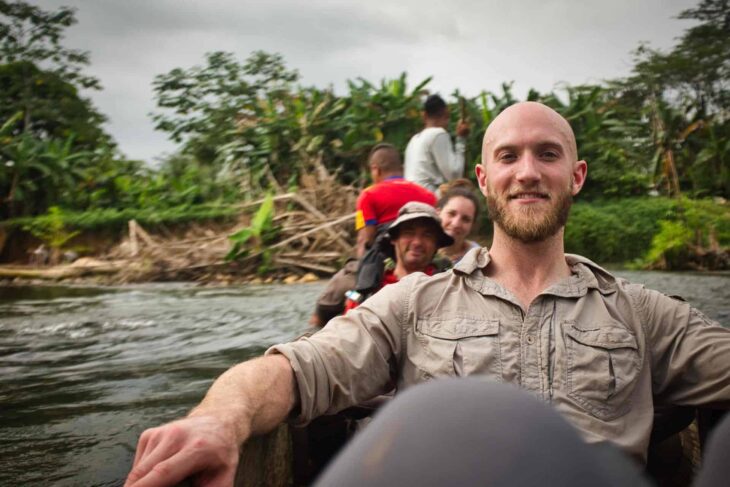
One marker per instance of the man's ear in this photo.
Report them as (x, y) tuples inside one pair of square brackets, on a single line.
[(580, 170), (481, 173)]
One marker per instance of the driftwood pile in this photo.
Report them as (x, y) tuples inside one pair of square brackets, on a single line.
[(315, 234)]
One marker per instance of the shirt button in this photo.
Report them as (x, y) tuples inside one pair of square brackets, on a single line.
[(530, 339)]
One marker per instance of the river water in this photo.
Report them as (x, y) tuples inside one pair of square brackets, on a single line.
[(83, 371)]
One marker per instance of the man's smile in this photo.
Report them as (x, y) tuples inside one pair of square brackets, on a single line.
[(528, 195)]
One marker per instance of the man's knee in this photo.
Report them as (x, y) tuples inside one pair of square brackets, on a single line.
[(332, 300)]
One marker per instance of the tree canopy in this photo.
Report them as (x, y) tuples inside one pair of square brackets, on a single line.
[(244, 125)]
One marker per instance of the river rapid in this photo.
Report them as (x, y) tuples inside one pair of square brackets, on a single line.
[(83, 371)]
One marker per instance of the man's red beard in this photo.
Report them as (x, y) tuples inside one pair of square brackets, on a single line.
[(527, 223)]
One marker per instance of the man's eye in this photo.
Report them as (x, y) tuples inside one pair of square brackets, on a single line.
[(550, 155), (506, 157)]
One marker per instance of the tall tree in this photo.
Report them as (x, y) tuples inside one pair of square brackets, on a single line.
[(51, 106), (208, 102), (684, 96), (40, 76)]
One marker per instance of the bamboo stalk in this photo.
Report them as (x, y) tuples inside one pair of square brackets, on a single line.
[(280, 197), (133, 238), (304, 234), (139, 231), (312, 255), (305, 265), (59, 272), (314, 211)]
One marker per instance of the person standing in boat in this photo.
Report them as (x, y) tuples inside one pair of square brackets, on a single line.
[(431, 159), (459, 210), (377, 206), (598, 350)]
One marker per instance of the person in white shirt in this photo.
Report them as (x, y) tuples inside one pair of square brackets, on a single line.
[(430, 158)]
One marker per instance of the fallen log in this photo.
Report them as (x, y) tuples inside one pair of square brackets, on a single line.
[(304, 265), (58, 272)]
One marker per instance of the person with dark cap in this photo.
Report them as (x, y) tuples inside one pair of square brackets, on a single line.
[(430, 157)]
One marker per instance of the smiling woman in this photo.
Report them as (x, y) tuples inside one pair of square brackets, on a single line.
[(458, 209)]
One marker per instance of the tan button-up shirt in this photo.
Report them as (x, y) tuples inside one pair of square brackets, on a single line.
[(602, 351)]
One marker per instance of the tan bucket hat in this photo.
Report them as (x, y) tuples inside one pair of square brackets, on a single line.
[(414, 210)]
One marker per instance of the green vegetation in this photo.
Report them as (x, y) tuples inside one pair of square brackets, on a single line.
[(647, 231), (52, 231), (117, 219), (260, 233), (246, 127)]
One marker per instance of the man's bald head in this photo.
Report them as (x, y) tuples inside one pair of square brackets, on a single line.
[(525, 116)]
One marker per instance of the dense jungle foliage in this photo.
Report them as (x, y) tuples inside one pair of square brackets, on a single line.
[(243, 126)]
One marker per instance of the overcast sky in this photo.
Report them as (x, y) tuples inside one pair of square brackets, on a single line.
[(472, 45)]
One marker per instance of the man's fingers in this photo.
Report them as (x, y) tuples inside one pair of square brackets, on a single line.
[(147, 441), (141, 446), (166, 473), (185, 464), (157, 448), (171, 453)]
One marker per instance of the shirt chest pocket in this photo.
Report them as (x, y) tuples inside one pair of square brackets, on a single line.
[(602, 369), (457, 346)]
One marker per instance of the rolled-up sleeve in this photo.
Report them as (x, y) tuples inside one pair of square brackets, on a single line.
[(353, 358), (690, 354)]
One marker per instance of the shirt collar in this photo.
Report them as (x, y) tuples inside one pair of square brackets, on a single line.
[(585, 275), (391, 178)]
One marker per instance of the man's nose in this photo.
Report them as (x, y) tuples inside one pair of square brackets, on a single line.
[(528, 169), (417, 240)]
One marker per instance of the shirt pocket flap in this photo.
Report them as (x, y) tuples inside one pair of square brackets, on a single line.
[(457, 328), (609, 336)]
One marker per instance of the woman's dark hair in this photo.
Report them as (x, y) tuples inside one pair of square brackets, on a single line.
[(459, 187)]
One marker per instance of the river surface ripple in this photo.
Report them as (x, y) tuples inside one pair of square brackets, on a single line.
[(83, 371)]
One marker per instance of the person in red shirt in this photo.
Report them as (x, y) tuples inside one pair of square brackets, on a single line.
[(415, 236), (379, 204)]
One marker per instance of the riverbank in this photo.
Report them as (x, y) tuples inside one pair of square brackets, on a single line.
[(306, 235), (91, 272), (286, 237)]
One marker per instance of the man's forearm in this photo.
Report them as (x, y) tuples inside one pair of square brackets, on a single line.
[(252, 397)]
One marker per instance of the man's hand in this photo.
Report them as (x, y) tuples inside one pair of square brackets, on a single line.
[(462, 128), (250, 398), (200, 446)]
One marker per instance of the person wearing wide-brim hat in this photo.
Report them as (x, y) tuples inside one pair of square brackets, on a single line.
[(410, 244)]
